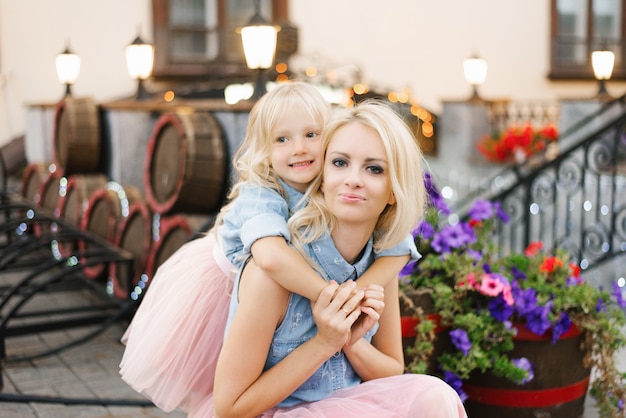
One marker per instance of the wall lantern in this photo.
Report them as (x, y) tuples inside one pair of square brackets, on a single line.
[(68, 67), (475, 71), (259, 46), (139, 60), (602, 62)]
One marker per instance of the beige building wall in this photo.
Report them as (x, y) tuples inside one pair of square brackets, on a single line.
[(416, 44)]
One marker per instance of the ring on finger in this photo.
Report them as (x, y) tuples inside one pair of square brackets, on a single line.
[(345, 311)]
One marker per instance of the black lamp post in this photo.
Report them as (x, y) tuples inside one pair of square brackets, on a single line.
[(259, 46)]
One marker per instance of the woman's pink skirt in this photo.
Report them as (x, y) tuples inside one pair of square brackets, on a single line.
[(174, 339), (403, 396)]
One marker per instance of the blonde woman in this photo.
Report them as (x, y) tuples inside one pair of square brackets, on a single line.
[(284, 356)]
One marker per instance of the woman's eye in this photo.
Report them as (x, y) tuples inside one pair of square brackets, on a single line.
[(375, 169), (339, 162)]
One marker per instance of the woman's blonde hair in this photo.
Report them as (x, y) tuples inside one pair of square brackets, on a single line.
[(252, 160), (405, 168)]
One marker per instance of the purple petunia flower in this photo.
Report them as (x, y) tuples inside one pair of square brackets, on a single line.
[(499, 309), (619, 296), (408, 269), (453, 236), (517, 274), (500, 213), (456, 383), (476, 255), (423, 230), (525, 300), (537, 320), (433, 194), (460, 340), (560, 327), (524, 364), (482, 210)]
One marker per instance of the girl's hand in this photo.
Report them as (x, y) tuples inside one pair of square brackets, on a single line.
[(371, 307), (335, 311)]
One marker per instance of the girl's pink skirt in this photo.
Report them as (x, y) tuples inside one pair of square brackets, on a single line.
[(175, 337), (403, 396)]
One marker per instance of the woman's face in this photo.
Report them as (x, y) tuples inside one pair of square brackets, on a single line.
[(296, 154), (356, 183)]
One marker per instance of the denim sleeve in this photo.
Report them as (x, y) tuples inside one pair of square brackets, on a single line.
[(407, 246), (257, 213)]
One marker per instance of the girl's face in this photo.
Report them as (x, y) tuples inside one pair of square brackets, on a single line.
[(356, 183), (296, 154)]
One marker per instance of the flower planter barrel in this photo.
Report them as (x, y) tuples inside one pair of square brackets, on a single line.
[(187, 166), (557, 391), (560, 381)]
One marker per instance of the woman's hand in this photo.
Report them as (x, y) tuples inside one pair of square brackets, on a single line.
[(335, 311), (371, 307)]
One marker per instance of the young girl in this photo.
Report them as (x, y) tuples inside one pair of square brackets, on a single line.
[(282, 358), (174, 339)]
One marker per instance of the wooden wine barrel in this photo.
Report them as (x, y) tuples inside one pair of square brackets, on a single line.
[(47, 198), (35, 174), (75, 198), (187, 166), (106, 207), (169, 234), (49, 191), (134, 235), (77, 137), (12, 159)]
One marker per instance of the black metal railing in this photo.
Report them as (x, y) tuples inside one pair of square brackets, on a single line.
[(575, 201)]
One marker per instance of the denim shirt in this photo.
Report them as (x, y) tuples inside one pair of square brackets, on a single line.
[(257, 212), (298, 325)]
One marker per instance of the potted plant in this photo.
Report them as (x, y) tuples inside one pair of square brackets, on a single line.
[(471, 312), (517, 143)]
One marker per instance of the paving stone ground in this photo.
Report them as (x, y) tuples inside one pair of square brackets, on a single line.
[(85, 375)]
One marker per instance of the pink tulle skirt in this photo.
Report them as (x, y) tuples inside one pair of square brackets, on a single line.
[(174, 338), (404, 396)]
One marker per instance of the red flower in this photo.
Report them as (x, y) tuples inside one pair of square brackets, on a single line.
[(550, 264), (575, 269), (475, 222), (515, 141), (533, 248)]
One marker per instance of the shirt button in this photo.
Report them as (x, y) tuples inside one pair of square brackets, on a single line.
[(337, 261), (337, 354)]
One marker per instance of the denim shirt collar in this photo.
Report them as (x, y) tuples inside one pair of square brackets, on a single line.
[(293, 197), (323, 251)]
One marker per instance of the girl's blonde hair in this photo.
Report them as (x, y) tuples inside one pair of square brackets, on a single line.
[(405, 168), (252, 160)]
